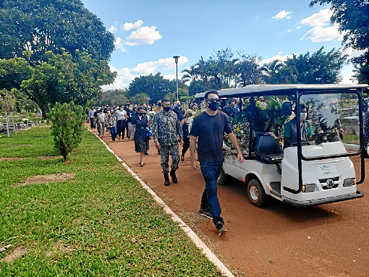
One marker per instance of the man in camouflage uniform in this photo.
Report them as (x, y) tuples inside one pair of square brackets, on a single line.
[(167, 132)]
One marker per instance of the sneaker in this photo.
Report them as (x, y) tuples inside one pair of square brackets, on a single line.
[(220, 228), (206, 213)]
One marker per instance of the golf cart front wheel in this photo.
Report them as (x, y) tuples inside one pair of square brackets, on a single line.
[(256, 193)]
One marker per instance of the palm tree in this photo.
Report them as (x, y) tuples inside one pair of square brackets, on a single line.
[(190, 74), (272, 72)]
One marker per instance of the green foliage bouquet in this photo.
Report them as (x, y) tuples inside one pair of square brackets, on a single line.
[(67, 122)]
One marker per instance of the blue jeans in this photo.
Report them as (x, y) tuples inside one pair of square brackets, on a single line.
[(210, 172), (113, 132)]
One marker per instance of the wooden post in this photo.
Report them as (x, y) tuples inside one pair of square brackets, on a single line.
[(15, 131), (7, 124)]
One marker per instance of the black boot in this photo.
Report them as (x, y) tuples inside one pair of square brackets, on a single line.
[(166, 178), (174, 177)]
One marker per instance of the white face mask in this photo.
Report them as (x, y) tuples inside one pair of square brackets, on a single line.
[(303, 116)]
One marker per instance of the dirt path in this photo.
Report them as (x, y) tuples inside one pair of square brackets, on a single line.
[(279, 240)]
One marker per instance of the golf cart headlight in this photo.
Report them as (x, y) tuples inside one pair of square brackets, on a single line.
[(349, 182), (308, 188)]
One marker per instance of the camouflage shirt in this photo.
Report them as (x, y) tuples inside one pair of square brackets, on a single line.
[(166, 128)]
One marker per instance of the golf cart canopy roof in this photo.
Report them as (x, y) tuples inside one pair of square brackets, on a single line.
[(279, 89)]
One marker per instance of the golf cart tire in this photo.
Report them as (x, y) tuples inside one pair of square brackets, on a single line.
[(256, 193), (223, 178)]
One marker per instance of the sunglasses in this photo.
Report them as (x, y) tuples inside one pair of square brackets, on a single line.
[(214, 100)]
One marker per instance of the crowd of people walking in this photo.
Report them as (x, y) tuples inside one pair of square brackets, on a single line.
[(136, 122), (170, 125)]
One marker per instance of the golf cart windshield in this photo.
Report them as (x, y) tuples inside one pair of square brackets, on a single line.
[(327, 120)]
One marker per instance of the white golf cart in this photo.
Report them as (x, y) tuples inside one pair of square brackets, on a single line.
[(307, 173)]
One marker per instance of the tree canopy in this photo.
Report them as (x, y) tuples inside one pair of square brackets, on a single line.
[(155, 86), (53, 51), (318, 68), (62, 78), (42, 25), (352, 16), (222, 70)]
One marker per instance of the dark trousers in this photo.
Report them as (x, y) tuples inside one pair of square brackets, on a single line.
[(125, 129), (92, 123), (120, 128), (211, 171), (186, 145)]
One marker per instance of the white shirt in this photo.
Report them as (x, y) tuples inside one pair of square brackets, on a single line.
[(92, 112), (121, 114)]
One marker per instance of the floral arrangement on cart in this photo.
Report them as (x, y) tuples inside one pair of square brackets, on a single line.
[(270, 120)]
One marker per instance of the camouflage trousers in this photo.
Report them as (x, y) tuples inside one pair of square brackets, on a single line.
[(165, 151)]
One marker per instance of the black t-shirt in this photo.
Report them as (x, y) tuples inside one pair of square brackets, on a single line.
[(210, 131), (179, 113)]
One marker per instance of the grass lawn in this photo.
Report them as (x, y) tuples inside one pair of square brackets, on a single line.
[(101, 223), (352, 139)]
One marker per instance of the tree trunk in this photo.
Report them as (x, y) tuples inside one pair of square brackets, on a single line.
[(44, 109)]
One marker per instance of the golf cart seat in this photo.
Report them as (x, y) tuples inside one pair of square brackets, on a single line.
[(267, 149)]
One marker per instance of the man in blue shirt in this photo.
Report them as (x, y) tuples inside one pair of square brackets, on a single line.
[(208, 128)]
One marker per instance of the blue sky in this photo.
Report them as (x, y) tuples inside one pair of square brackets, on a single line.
[(149, 33)]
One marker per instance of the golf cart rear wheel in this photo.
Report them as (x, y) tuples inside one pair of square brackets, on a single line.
[(223, 178), (256, 193)]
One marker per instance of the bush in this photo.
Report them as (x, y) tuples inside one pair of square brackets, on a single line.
[(67, 122)]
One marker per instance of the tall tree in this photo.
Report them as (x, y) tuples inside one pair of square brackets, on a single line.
[(247, 70), (13, 72), (66, 45), (62, 78), (111, 97), (272, 72), (155, 86), (42, 25), (317, 68), (352, 16), (190, 74)]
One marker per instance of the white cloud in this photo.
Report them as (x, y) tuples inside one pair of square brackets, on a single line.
[(118, 43), (289, 31), (112, 29), (298, 27), (144, 35), (320, 34), (161, 64), (127, 26), (126, 75), (280, 57), (322, 29), (352, 53), (282, 14), (322, 18)]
